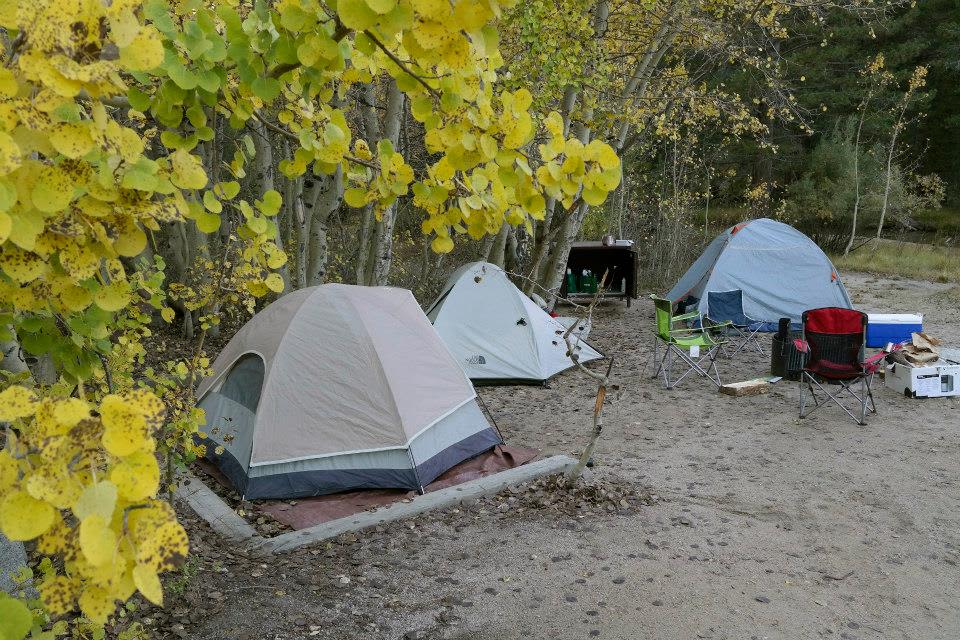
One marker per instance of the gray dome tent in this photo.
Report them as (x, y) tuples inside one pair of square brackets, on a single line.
[(781, 272), (339, 387)]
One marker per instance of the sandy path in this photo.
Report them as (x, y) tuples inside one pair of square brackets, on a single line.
[(763, 527)]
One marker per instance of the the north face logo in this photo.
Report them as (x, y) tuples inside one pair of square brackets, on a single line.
[(476, 360)]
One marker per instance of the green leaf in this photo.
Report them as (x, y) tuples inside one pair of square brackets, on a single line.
[(211, 203), (267, 89), (258, 225), (382, 6), (17, 620), (228, 190), (209, 80), (270, 205), (138, 99), (184, 78), (356, 15), (197, 116), (207, 222)]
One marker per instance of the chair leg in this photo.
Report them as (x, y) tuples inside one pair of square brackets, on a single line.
[(864, 389), (801, 394), (652, 362), (712, 354)]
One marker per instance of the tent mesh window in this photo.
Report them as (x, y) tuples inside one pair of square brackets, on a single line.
[(244, 381)]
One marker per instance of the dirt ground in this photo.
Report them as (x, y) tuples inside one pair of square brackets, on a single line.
[(727, 518)]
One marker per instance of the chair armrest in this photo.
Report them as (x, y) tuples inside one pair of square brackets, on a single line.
[(717, 325), (874, 362), (802, 345), (686, 316)]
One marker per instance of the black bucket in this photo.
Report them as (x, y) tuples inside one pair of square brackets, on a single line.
[(785, 360)]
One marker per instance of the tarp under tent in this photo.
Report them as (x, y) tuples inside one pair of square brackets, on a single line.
[(339, 387), (498, 334), (781, 272)]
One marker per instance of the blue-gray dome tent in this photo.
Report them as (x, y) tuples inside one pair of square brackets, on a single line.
[(781, 272)]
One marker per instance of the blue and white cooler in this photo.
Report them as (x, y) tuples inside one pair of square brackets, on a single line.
[(892, 327)]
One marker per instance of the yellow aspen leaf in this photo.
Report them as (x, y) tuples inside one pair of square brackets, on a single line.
[(167, 314), (8, 83), (22, 266), (54, 486), (124, 27), (9, 470), (6, 225), (166, 547), (23, 517), (137, 476), (79, 260), (113, 297), (53, 189), (609, 179), (125, 429), (607, 157), (431, 34), (72, 140), (98, 499), (16, 617), (144, 52), (58, 594), (470, 15), (594, 196), (70, 411), (17, 402), (355, 198), (522, 99), (54, 539), (149, 405), (188, 173), (435, 8), (10, 156), (98, 542), (131, 242), (442, 244), (75, 298), (276, 259), (148, 583), (97, 604), (274, 282)]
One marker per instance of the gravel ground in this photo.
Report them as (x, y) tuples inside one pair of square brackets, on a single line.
[(706, 516)]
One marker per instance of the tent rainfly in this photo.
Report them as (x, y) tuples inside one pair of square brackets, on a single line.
[(339, 387), (496, 333), (781, 272)]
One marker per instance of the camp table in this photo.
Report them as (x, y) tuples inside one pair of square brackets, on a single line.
[(619, 260)]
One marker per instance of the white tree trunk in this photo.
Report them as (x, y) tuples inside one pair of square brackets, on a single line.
[(886, 187), (382, 248), (13, 361), (371, 132), (544, 230), (328, 194), (264, 168)]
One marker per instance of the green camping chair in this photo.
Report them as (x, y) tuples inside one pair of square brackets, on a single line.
[(679, 342)]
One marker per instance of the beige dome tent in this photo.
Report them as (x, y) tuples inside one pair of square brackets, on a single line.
[(339, 387)]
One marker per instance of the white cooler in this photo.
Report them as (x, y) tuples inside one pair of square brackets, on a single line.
[(935, 381)]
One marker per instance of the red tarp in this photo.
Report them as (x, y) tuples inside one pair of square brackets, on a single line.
[(307, 512)]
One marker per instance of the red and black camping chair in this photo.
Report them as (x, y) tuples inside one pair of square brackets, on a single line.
[(834, 340)]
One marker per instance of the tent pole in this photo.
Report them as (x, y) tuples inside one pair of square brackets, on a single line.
[(416, 475), (489, 415)]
